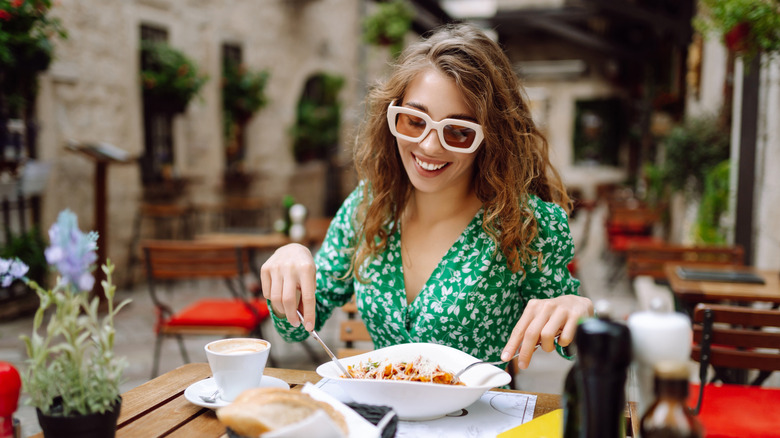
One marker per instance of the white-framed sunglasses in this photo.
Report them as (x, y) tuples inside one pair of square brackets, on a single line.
[(454, 134)]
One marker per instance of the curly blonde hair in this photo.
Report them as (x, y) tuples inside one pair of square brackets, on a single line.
[(512, 163)]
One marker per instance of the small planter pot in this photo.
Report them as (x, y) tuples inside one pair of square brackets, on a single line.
[(83, 426)]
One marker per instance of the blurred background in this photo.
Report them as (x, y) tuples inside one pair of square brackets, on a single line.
[(173, 118)]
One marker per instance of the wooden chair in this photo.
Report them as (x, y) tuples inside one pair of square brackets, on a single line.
[(236, 316), (649, 259), (733, 338), (352, 331)]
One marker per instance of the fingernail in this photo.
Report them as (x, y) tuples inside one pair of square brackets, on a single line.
[(309, 326), (296, 323), (505, 356)]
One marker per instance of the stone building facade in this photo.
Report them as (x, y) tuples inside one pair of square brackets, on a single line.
[(92, 94)]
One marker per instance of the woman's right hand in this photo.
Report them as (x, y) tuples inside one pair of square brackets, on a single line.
[(288, 281)]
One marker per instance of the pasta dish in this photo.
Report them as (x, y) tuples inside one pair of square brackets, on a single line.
[(418, 370)]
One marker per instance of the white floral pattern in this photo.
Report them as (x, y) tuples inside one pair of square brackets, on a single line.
[(472, 299)]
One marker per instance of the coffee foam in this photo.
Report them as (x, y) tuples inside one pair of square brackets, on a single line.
[(238, 346)]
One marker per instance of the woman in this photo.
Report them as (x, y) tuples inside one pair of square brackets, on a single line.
[(456, 234)]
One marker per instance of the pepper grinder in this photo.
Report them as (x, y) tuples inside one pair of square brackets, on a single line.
[(10, 386), (594, 392)]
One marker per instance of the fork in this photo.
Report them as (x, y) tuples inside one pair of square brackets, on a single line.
[(498, 362), (482, 362)]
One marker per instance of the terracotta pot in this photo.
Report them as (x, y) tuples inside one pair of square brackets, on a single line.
[(83, 426)]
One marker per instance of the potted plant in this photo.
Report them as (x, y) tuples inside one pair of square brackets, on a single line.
[(318, 120), (26, 49), (388, 25), (243, 94), (748, 26), (72, 375), (169, 79)]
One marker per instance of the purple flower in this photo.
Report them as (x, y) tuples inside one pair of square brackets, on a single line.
[(72, 252), (11, 270)]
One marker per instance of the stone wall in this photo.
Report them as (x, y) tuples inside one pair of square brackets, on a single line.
[(92, 94)]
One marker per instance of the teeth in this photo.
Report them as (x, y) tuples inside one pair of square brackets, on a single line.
[(429, 166)]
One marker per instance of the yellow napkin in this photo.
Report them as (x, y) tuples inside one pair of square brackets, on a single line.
[(549, 425)]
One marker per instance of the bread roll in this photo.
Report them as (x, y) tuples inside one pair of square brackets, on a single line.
[(259, 410)]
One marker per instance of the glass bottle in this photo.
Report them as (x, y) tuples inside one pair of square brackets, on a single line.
[(669, 416)]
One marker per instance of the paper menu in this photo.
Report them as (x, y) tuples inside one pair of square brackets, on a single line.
[(494, 413)]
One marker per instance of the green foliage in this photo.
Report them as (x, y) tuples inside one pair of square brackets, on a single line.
[(26, 33), (168, 75), (318, 119), (760, 18), (389, 24), (714, 203), (28, 247), (74, 358), (243, 91), (243, 94), (692, 149)]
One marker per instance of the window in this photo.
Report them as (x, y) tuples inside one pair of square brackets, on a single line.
[(157, 160)]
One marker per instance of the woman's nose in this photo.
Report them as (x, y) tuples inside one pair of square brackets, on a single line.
[(431, 141)]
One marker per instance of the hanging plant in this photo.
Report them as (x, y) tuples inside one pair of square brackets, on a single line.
[(389, 24), (26, 34), (168, 77), (243, 93), (748, 26)]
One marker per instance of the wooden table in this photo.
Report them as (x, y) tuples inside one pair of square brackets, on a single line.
[(158, 407), (691, 292)]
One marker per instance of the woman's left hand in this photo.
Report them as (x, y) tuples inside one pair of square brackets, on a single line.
[(542, 321)]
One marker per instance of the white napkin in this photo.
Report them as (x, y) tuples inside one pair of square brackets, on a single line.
[(321, 426), (318, 425)]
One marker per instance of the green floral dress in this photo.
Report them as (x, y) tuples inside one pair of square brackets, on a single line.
[(472, 300)]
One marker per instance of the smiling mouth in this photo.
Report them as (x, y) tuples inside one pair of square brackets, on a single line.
[(428, 166)]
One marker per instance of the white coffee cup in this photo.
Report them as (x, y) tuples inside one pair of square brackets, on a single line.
[(237, 364)]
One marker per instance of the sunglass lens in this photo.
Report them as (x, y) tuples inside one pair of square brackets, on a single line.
[(410, 125), (459, 136)]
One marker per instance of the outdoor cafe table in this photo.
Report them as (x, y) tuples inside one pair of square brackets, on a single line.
[(692, 292), (158, 407)]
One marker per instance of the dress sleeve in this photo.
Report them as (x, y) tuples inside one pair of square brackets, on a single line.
[(332, 261), (552, 277), (556, 247)]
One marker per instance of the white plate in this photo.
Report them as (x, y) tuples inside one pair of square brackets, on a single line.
[(208, 386), (415, 400)]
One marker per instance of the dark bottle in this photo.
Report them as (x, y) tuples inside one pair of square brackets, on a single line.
[(594, 398), (669, 416)]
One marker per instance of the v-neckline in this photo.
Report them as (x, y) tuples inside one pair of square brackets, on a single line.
[(436, 269)]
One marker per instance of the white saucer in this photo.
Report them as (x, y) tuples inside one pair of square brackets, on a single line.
[(208, 386)]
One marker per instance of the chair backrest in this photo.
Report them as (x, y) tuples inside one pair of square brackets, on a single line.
[(182, 259), (736, 337), (353, 330), (187, 259), (649, 259)]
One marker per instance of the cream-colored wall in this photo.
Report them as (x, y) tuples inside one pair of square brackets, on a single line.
[(766, 217), (91, 93), (767, 195)]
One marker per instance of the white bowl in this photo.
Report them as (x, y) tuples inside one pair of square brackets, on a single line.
[(416, 400)]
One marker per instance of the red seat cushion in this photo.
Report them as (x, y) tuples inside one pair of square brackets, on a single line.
[(621, 243), (738, 410), (220, 312)]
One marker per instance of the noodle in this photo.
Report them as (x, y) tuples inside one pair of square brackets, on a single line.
[(419, 370)]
